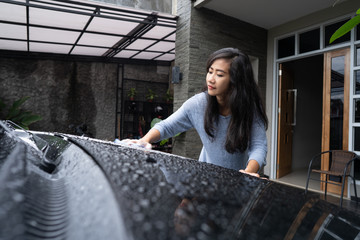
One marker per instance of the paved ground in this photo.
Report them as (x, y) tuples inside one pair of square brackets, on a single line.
[(351, 205)]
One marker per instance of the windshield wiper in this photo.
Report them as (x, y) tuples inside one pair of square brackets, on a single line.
[(45, 164)]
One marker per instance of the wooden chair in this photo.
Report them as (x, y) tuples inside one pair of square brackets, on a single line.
[(340, 165)]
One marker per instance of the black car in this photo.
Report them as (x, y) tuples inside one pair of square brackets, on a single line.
[(59, 186)]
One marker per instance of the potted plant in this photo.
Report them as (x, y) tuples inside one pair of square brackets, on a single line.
[(168, 96), (132, 93), (151, 95)]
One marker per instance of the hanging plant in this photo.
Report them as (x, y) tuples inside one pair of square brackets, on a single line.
[(151, 95), (168, 96), (132, 93)]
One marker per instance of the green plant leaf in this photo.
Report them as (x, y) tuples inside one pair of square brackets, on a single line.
[(12, 114), (163, 142), (21, 117), (24, 119), (346, 27), (30, 119), (155, 121), (19, 102), (358, 12), (21, 126), (18, 118), (132, 92), (14, 109)]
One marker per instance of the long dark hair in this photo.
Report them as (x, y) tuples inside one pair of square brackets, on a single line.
[(244, 101)]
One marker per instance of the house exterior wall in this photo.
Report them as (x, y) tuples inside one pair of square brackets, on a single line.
[(199, 33), (339, 10)]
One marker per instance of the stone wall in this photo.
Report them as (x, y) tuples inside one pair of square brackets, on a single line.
[(199, 33), (63, 93), (66, 93)]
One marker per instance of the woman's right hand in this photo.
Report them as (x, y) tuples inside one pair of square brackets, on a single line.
[(137, 143)]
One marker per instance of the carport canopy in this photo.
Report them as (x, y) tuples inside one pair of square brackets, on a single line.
[(83, 28)]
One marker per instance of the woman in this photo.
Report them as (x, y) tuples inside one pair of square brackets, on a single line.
[(229, 117)]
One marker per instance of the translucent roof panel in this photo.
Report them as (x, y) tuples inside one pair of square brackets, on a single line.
[(171, 37), (140, 44), (86, 28), (13, 45), (57, 18), (52, 35), (126, 54), (91, 51), (105, 25), (11, 12), (146, 55), (12, 31), (166, 57), (98, 40), (159, 32), (50, 48), (162, 46)]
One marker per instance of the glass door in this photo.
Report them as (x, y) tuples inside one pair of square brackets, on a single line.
[(335, 106)]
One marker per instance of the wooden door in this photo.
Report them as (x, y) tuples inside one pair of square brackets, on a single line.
[(287, 97), (335, 126)]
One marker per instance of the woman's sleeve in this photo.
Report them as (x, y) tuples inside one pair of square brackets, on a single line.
[(178, 122), (258, 143)]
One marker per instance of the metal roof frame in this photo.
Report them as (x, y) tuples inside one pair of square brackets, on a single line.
[(94, 30)]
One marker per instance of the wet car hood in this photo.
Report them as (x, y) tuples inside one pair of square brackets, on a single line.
[(62, 186)]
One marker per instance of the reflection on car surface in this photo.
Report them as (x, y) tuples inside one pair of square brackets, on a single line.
[(58, 186)]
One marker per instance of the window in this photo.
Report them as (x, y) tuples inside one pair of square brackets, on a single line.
[(286, 47), (329, 31), (357, 138), (309, 41), (357, 110), (357, 83)]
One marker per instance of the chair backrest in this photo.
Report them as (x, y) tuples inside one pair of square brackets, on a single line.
[(339, 159)]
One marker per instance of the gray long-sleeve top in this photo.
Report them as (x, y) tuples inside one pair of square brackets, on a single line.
[(191, 115)]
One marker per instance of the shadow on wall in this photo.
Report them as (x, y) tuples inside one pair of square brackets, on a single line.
[(81, 101)]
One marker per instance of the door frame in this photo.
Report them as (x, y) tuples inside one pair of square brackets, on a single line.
[(286, 119), (272, 79), (347, 87), (327, 94)]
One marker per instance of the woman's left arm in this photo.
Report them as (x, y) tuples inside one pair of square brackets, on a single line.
[(252, 168), (257, 148)]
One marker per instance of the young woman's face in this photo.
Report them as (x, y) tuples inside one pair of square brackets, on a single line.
[(218, 78)]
